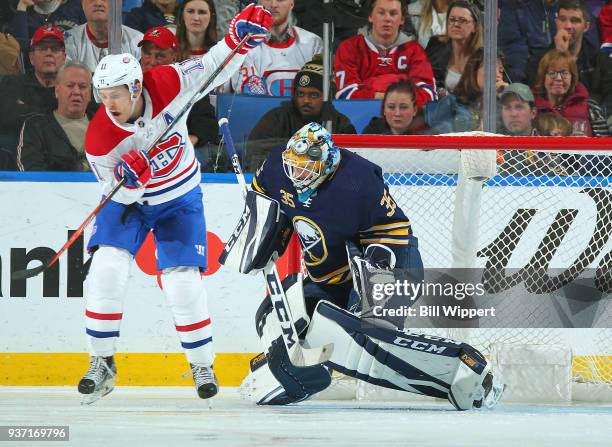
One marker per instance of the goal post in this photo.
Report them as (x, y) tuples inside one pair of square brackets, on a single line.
[(532, 214)]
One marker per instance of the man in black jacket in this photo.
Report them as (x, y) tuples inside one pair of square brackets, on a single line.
[(152, 13), (32, 93), (54, 141), (307, 105)]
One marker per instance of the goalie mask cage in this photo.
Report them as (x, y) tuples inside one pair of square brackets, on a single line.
[(544, 202)]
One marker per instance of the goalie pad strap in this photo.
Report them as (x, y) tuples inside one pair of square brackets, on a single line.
[(261, 235)]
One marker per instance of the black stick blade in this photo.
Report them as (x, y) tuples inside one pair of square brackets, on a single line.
[(28, 273)]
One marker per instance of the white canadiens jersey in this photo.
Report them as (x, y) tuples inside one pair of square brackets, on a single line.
[(81, 45), (270, 68), (167, 88)]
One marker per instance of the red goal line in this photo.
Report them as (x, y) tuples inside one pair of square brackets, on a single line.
[(455, 142)]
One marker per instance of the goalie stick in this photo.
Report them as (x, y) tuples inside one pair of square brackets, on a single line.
[(298, 355), (29, 273)]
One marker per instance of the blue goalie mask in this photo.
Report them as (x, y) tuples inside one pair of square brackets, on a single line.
[(309, 158)]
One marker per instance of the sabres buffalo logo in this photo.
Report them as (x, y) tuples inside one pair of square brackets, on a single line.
[(312, 241), (167, 154)]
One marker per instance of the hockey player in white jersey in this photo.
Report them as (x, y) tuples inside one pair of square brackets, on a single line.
[(160, 193)]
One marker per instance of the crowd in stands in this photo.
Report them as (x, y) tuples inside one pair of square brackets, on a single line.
[(422, 61)]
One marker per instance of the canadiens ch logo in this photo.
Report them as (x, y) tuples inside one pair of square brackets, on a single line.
[(311, 239), (167, 154)]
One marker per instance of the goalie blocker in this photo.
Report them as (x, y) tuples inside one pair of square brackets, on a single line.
[(400, 360), (261, 236)]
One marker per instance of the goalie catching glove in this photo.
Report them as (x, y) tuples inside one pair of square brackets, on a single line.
[(253, 19), (135, 169)]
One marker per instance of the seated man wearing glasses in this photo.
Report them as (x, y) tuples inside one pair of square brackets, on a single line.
[(33, 92), (307, 105)]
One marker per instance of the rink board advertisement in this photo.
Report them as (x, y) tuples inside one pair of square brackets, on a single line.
[(42, 320)]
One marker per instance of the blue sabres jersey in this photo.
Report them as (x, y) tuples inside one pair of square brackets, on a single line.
[(353, 204)]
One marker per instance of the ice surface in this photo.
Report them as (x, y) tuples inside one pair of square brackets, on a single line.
[(151, 417)]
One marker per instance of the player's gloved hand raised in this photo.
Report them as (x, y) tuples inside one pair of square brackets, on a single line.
[(135, 168), (254, 19)]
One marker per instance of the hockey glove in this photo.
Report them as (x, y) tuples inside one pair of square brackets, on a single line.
[(135, 168), (254, 19)]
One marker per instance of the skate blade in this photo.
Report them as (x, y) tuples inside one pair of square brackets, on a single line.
[(89, 399), (208, 403)]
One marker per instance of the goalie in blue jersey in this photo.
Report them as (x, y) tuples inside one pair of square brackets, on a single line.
[(348, 226)]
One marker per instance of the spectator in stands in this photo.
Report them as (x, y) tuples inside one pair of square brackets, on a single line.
[(307, 105), (88, 43), (527, 28), (594, 68), (462, 110), (152, 13), (429, 18), (159, 46), (368, 63), (196, 28), (558, 90), (54, 141), (33, 14), (270, 68), (518, 110), (226, 10), (7, 11), (24, 95), (398, 111), (553, 125), (448, 54), (605, 26), (10, 55)]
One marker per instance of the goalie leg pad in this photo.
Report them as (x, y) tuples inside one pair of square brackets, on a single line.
[(262, 235), (274, 380), (417, 363)]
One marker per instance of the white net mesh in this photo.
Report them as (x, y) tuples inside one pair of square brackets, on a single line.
[(542, 221)]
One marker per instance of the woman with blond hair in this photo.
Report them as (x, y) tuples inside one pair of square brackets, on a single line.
[(449, 54), (557, 90), (428, 18)]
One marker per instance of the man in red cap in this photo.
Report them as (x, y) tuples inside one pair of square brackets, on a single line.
[(33, 92), (158, 47)]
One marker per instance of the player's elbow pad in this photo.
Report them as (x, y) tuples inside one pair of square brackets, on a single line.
[(262, 235)]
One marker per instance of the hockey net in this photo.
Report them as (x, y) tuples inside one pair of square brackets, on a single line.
[(539, 204)]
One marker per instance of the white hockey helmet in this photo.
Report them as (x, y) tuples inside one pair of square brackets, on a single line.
[(118, 69)]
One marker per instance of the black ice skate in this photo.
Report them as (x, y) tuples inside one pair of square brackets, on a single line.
[(205, 381), (99, 380)]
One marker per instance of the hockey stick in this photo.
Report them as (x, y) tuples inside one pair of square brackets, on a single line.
[(29, 273), (298, 355)]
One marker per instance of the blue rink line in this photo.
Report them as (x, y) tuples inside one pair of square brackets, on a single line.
[(88, 177), (393, 179)]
